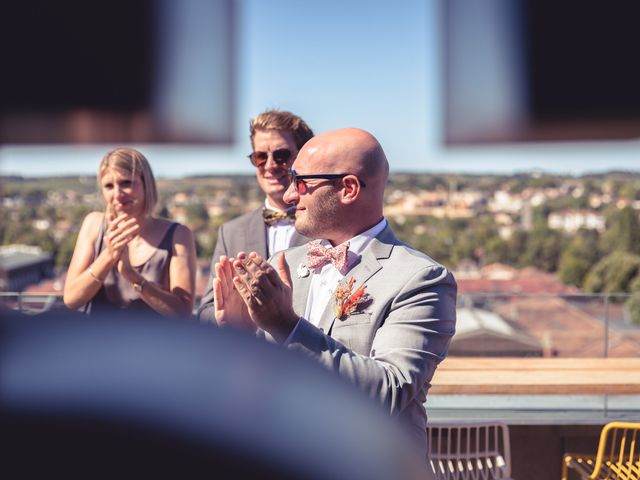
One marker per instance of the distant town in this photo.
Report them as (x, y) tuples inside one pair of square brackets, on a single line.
[(530, 234)]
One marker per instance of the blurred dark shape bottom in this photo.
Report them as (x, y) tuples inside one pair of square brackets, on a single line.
[(126, 396)]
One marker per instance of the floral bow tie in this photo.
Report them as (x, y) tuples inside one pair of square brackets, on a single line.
[(271, 217), (318, 256)]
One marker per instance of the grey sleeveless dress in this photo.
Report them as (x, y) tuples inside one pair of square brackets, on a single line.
[(117, 293)]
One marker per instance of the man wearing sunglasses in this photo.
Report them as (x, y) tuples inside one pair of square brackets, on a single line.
[(359, 301), (276, 137)]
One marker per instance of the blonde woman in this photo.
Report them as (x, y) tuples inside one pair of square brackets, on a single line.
[(125, 258)]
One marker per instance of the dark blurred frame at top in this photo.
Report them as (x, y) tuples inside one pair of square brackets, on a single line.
[(539, 71), (148, 71)]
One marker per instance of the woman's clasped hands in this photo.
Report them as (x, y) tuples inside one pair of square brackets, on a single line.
[(121, 230)]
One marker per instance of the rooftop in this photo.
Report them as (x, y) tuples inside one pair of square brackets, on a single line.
[(17, 256)]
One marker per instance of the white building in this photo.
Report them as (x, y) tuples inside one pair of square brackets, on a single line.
[(572, 220)]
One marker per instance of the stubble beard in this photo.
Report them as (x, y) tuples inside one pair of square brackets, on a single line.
[(317, 222)]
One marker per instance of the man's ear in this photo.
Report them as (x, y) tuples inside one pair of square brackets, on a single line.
[(350, 188)]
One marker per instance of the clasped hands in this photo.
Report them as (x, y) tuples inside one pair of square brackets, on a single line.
[(121, 230), (249, 293)]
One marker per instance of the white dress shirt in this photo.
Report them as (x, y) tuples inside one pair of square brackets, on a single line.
[(280, 234), (325, 279)]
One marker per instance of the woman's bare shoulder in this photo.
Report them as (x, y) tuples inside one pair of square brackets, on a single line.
[(91, 226)]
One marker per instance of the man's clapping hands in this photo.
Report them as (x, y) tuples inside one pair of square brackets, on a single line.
[(249, 293)]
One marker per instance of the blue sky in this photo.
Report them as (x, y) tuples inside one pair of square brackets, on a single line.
[(371, 64)]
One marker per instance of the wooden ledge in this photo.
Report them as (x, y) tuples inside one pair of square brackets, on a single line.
[(520, 376)]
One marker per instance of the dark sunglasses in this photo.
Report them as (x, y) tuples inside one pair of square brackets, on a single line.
[(281, 156), (301, 187)]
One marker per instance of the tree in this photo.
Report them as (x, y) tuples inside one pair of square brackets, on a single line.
[(614, 273), (204, 246), (633, 304), (543, 249), (629, 191), (197, 216), (23, 233), (623, 231), (578, 258), (497, 250), (573, 268), (633, 308), (65, 251)]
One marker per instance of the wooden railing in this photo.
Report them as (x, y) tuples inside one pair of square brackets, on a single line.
[(507, 376)]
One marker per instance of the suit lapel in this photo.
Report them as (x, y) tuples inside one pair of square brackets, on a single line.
[(369, 264), (300, 284), (300, 293)]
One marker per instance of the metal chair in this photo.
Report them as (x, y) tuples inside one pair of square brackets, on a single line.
[(618, 456), (469, 451)]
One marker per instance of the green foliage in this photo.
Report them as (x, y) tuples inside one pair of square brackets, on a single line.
[(68, 199), (578, 257), (544, 181), (633, 307), (427, 234), (204, 245), (23, 234), (76, 213), (411, 182), (197, 216), (573, 269), (65, 251), (623, 231), (540, 216), (497, 250), (629, 191), (543, 249), (568, 202), (514, 248), (614, 273)]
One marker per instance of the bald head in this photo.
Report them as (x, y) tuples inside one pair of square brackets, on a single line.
[(356, 202), (351, 150)]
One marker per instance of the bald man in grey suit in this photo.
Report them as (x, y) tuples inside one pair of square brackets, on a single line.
[(359, 302), (276, 137)]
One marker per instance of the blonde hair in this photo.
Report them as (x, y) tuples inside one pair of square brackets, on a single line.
[(281, 120), (135, 163)]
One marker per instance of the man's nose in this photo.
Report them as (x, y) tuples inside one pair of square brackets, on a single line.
[(291, 195), (271, 163)]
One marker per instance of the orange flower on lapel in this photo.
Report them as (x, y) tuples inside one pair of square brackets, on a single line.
[(347, 300)]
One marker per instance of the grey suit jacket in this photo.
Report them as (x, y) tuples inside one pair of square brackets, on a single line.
[(391, 346), (246, 233)]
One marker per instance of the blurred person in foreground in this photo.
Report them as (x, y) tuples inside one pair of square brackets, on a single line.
[(125, 258), (276, 137), (358, 301)]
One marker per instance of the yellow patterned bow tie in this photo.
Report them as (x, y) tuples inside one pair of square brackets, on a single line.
[(271, 217)]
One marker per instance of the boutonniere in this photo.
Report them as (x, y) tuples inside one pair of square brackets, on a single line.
[(302, 271), (347, 300)]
